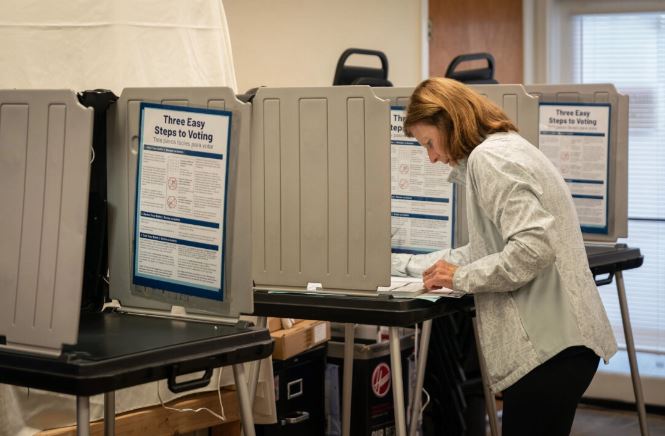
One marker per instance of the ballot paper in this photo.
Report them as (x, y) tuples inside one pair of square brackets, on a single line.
[(413, 287)]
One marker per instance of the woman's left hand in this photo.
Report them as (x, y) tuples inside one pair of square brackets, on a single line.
[(439, 275)]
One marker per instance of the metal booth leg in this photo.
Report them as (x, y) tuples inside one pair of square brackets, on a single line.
[(489, 398), (420, 376), (347, 383), (255, 367), (630, 346), (109, 413), (82, 416), (398, 388), (243, 398)]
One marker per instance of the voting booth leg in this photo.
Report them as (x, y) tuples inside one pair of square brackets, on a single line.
[(630, 346), (109, 413), (489, 398), (82, 416), (348, 378), (243, 399), (398, 387), (420, 377), (255, 367)]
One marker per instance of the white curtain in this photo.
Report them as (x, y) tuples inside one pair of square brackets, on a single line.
[(114, 44)]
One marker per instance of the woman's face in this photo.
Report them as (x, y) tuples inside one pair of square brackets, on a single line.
[(430, 137)]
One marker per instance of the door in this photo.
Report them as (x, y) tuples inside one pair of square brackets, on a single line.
[(471, 26)]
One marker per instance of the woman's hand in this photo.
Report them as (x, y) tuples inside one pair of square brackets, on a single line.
[(439, 275)]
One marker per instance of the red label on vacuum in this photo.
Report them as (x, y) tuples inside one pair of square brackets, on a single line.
[(381, 380)]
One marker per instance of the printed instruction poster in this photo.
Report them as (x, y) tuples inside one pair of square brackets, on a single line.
[(575, 137), (422, 200), (180, 199)]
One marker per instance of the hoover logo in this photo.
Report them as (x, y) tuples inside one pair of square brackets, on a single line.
[(381, 380)]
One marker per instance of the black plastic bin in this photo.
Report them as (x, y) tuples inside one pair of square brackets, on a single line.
[(372, 410), (299, 393)]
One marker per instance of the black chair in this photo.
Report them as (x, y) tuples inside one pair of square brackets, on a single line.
[(472, 76), (361, 75)]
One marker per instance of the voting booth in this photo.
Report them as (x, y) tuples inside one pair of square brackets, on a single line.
[(320, 176), (172, 222), (583, 129), (429, 213), (158, 324), (592, 115)]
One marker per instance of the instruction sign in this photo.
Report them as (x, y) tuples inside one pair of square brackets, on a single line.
[(575, 137), (181, 191), (422, 199)]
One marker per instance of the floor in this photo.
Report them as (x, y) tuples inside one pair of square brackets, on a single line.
[(599, 421), (592, 421)]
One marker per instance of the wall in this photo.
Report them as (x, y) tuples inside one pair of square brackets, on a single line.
[(298, 42)]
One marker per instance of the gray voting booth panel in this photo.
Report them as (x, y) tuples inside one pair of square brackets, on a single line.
[(45, 140), (521, 107), (123, 131), (617, 212), (321, 188)]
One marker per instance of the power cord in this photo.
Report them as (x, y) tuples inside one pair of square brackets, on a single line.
[(221, 417)]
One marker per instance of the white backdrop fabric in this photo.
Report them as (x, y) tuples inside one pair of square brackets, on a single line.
[(114, 44)]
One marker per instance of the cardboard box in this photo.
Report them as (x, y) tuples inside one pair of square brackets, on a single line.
[(274, 324), (302, 336)]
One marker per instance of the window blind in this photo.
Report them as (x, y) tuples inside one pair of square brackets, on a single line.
[(628, 50)]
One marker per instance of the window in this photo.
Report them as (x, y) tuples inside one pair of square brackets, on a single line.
[(628, 50)]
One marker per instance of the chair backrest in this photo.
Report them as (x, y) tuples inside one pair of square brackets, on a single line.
[(372, 81), (472, 76), (361, 75)]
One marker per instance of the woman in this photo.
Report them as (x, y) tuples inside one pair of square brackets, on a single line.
[(541, 323)]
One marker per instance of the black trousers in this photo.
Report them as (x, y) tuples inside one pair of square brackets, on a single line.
[(544, 401)]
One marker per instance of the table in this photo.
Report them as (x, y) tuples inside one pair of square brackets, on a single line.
[(110, 355), (350, 309)]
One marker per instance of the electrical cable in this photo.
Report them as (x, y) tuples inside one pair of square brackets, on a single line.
[(221, 417)]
